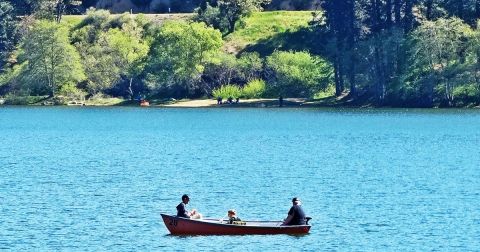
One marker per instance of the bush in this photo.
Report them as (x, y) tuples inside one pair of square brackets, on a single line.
[(227, 91), (298, 74), (466, 95), (254, 89), (71, 91)]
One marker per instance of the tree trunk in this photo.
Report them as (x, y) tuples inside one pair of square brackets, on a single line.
[(408, 22), (130, 91), (59, 10), (477, 9), (336, 65), (352, 46), (388, 13), (397, 10), (461, 9), (429, 6)]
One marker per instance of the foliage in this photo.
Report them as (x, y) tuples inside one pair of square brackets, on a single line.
[(10, 78), (297, 74), (8, 31), (113, 49), (52, 61), (437, 53), (129, 52), (179, 54), (71, 91), (250, 65), (224, 14), (227, 91), (22, 100), (254, 89)]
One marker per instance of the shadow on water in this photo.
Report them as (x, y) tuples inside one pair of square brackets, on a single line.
[(297, 236)]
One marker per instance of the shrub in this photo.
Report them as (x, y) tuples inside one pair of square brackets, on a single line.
[(254, 89), (227, 91), (71, 91), (466, 95), (297, 74)]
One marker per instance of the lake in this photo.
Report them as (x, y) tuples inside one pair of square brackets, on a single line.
[(373, 180)]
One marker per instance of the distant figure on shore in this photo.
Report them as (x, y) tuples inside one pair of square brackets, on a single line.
[(230, 100), (219, 100), (182, 209), (296, 216), (280, 101), (232, 216), (237, 100)]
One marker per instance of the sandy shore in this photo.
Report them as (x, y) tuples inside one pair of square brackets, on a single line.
[(243, 103)]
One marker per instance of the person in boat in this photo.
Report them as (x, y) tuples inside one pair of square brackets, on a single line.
[(232, 216), (296, 216), (183, 212)]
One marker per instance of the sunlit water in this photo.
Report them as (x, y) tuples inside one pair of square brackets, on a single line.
[(373, 180)]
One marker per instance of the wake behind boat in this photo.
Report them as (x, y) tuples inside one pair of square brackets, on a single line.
[(184, 226)]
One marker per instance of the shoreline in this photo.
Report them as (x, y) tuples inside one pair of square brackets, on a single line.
[(245, 103)]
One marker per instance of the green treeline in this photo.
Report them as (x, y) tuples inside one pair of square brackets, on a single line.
[(402, 53)]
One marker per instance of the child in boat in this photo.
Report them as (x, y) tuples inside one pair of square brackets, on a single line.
[(232, 216)]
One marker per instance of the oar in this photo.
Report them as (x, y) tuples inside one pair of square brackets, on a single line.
[(221, 220)]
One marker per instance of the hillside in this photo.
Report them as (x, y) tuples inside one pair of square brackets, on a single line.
[(259, 31), (261, 27)]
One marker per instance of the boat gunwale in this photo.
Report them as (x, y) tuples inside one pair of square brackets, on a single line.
[(235, 226)]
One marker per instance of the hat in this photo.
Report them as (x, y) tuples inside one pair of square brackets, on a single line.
[(295, 199)]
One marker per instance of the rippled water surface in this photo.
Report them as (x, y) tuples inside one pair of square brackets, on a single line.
[(373, 180)]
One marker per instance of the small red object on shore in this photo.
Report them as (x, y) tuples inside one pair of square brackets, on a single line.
[(144, 103)]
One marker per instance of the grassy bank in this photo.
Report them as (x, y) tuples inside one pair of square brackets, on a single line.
[(258, 28), (262, 26)]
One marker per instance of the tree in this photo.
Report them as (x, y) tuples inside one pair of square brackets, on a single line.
[(8, 31), (178, 56), (52, 61), (437, 52), (224, 14), (130, 52), (341, 21)]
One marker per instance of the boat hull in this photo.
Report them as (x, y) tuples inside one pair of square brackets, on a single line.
[(182, 226)]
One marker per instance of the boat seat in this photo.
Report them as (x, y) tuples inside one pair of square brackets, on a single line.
[(308, 219), (239, 223)]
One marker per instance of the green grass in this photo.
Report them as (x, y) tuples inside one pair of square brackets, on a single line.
[(257, 28), (261, 26)]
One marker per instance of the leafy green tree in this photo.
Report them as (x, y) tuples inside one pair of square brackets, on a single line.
[(179, 54), (52, 61), (438, 55), (251, 66), (99, 62), (130, 53), (224, 14), (113, 50), (8, 31), (297, 74)]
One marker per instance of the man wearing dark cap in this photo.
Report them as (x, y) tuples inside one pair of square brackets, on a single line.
[(296, 216), (181, 208)]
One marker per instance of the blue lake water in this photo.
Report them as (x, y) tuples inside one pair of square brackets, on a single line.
[(373, 180)]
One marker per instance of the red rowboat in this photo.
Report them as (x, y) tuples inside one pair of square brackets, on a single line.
[(182, 226)]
